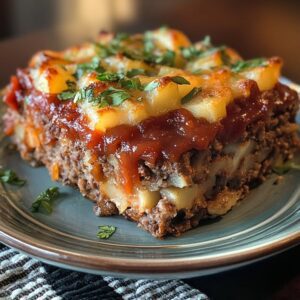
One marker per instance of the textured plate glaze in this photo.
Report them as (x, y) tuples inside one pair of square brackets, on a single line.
[(266, 222)]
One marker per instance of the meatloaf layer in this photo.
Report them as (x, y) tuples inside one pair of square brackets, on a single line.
[(165, 144)]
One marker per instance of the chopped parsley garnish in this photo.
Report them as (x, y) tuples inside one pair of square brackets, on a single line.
[(134, 72), (131, 84), (167, 58), (148, 43), (282, 169), (190, 53), (193, 93), (119, 37), (146, 54), (106, 231), (179, 80), (68, 93), (109, 76), (9, 176), (155, 83), (111, 96), (246, 64), (113, 47), (128, 83), (44, 201), (225, 57), (114, 97), (104, 51), (94, 65)]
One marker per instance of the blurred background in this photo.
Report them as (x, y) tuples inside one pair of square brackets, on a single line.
[(254, 28)]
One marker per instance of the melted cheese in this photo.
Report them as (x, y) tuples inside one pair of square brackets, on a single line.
[(50, 72)]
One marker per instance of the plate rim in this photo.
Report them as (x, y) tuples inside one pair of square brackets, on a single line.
[(116, 265)]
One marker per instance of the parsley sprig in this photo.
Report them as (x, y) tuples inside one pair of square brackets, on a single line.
[(113, 47), (155, 83), (146, 54), (111, 96), (69, 93), (122, 80), (110, 76), (10, 177), (242, 65), (93, 65), (191, 52), (45, 200), (134, 72), (106, 231), (179, 80), (167, 58), (193, 93)]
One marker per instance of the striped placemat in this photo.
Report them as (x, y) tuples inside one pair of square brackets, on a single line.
[(24, 278)]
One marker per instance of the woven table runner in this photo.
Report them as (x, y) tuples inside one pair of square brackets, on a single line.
[(25, 278)]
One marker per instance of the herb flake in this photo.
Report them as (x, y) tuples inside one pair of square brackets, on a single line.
[(193, 93), (45, 200), (115, 96), (106, 231), (179, 80), (190, 53), (109, 76), (10, 177), (131, 84), (93, 66), (167, 58), (243, 65), (134, 72), (69, 93)]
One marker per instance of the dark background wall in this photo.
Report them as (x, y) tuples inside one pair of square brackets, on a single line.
[(254, 28)]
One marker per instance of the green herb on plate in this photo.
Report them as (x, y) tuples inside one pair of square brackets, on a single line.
[(106, 231), (10, 177), (44, 201)]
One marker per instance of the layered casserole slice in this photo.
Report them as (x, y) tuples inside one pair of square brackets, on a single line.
[(153, 127)]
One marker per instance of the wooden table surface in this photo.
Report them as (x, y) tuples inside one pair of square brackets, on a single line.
[(277, 277)]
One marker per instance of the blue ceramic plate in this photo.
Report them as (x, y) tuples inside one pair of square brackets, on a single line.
[(266, 222)]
